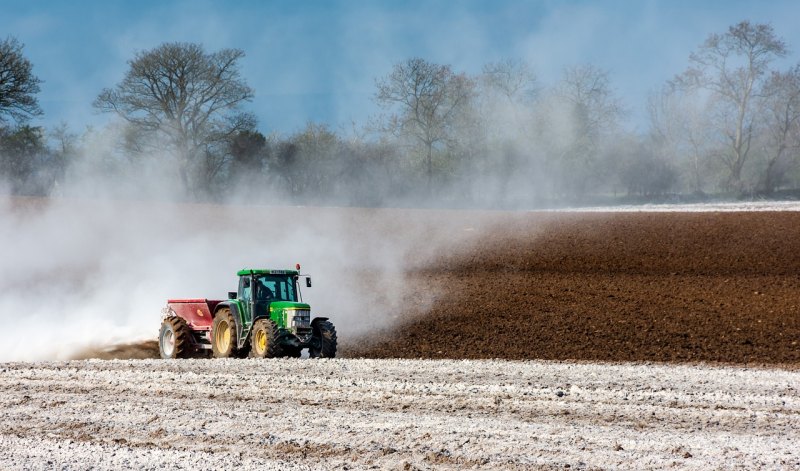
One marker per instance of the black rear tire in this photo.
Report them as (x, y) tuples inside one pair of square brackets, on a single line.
[(323, 342), (175, 338)]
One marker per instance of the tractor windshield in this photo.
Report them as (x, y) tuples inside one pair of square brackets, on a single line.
[(275, 288)]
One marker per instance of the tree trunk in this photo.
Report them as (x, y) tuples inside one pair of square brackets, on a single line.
[(430, 169)]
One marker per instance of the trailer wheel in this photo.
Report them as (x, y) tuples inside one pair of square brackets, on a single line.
[(223, 334), (323, 343), (174, 338), (264, 341)]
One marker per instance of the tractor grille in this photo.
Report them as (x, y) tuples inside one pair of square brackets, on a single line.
[(301, 318), (301, 323)]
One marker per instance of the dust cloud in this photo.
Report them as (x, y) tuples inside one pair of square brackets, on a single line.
[(84, 274)]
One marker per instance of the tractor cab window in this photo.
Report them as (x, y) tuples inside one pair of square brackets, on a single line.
[(244, 288), (275, 288)]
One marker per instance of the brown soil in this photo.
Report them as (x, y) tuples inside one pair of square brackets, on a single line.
[(711, 287), (132, 351)]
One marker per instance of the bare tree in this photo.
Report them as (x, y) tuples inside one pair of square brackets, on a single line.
[(494, 136), (247, 149), (644, 171), (507, 91), (576, 121), (310, 163), (680, 128), (426, 99), (782, 117), (64, 144), (18, 85), (733, 67), (594, 106), (25, 160), (189, 99), (319, 162), (513, 79)]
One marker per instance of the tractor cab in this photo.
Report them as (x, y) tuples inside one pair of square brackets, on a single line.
[(274, 294), (268, 287)]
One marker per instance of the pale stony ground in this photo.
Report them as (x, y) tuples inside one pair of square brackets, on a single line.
[(723, 206), (395, 414)]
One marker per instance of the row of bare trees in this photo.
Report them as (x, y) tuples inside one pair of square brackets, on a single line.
[(729, 123)]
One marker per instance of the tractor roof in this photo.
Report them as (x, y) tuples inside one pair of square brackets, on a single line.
[(263, 271)]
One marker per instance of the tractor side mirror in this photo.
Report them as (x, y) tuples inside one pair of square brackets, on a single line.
[(308, 281), (231, 294)]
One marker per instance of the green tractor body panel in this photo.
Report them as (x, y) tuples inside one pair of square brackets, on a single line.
[(283, 312)]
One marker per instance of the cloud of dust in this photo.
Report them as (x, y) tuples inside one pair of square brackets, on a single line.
[(84, 273)]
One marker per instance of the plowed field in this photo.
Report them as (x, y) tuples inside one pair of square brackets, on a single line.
[(719, 287), (688, 287)]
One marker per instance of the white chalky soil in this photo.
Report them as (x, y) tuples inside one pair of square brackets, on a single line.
[(395, 414)]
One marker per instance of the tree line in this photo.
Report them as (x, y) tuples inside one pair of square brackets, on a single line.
[(729, 124)]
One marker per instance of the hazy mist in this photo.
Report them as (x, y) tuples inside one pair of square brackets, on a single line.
[(90, 273)]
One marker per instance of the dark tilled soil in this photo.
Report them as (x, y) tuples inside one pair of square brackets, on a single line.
[(688, 287), (127, 351)]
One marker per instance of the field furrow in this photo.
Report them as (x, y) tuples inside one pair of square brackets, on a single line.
[(395, 414)]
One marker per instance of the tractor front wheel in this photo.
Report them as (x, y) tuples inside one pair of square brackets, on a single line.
[(264, 341), (174, 338), (223, 335), (323, 342)]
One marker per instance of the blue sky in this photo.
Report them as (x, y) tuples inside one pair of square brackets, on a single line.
[(318, 60)]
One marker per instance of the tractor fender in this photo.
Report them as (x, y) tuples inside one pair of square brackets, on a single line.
[(264, 315), (317, 320)]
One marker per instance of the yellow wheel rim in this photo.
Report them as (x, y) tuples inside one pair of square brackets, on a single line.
[(261, 341), (223, 336)]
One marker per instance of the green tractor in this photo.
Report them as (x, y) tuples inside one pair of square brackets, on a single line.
[(265, 318)]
